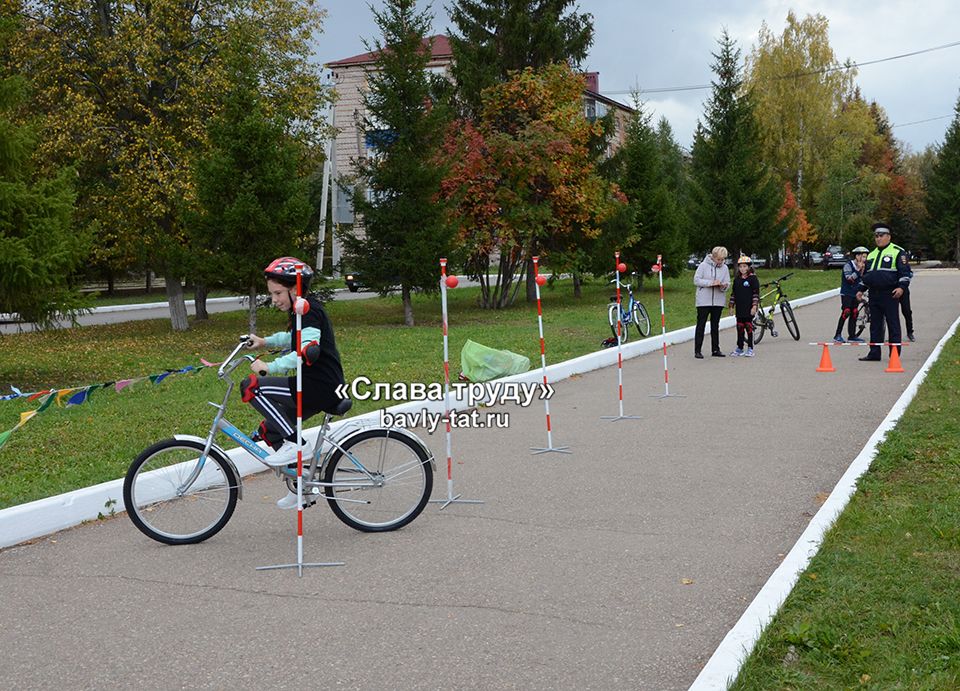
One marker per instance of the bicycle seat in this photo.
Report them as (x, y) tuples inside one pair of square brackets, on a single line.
[(342, 407)]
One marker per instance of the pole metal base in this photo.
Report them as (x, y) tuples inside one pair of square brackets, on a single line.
[(300, 567), (555, 449), (454, 500), (614, 418), (667, 395)]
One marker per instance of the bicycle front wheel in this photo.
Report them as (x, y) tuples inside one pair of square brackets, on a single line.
[(863, 318), (380, 481), (613, 316), (641, 319), (166, 505), (791, 321), (759, 326)]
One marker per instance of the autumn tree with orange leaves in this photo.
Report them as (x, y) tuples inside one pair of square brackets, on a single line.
[(799, 231), (522, 179)]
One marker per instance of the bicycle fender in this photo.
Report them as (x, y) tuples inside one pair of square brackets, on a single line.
[(399, 432), (215, 449)]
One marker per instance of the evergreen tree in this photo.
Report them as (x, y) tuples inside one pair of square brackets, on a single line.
[(252, 200), (404, 231), (646, 181), (734, 200), (497, 37), (39, 244), (943, 196)]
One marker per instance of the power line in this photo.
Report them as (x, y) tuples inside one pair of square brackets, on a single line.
[(917, 122), (825, 70)]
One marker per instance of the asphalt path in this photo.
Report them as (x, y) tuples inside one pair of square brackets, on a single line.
[(621, 565)]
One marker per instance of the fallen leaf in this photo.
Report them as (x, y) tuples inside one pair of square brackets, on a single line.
[(686, 581), (812, 576), (864, 678), (821, 497)]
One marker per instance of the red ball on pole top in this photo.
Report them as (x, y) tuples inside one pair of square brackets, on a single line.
[(301, 306), (655, 268), (452, 281), (541, 280), (621, 267)]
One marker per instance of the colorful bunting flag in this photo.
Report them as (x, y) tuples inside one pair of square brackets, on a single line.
[(45, 403), (63, 393), (79, 397)]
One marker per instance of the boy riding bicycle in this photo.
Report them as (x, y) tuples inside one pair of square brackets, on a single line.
[(269, 390)]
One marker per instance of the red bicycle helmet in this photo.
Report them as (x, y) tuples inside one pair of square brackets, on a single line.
[(283, 270)]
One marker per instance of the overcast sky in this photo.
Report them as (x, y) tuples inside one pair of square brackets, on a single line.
[(669, 44)]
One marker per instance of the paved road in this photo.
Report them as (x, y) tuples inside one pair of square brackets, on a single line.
[(159, 310), (620, 566)]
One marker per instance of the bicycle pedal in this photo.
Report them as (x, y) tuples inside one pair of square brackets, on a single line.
[(774, 334)]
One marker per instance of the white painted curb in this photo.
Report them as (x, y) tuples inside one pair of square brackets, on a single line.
[(44, 516), (723, 666)]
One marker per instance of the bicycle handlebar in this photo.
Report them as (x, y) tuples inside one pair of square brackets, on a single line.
[(230, 364), (776, 282)]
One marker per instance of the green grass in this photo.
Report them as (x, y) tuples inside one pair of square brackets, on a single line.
[(66, 448), (879, 605)]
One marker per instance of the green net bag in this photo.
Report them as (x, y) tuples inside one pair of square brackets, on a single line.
[(482, 363)]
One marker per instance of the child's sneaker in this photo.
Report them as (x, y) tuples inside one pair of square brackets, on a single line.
[(289, 501), (839, 339), (286, 454), (737, 353), (749, 353)]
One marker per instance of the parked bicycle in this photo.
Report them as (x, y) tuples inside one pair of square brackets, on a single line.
[(185, 489), (764, 322), (631, 311)]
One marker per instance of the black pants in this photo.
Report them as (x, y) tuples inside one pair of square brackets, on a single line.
[(276, 399), (849, 308), (907, 312), (744, 330), (884, 308), (714, 315)]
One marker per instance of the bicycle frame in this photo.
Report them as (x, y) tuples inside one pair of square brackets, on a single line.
[(626, 311), (779, 296), (316, 463)]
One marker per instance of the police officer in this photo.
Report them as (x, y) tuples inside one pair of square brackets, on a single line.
[(886, 275)]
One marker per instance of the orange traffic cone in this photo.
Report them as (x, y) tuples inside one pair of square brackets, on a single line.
[(825, 364), (894, 365)]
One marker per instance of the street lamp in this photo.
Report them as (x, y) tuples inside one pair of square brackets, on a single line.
[(841, 207)]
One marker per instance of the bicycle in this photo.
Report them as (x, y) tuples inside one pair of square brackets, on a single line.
[(184, 490), (863, 316), (762, 322), (634, 312)]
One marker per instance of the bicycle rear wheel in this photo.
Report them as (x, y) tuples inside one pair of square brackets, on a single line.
[(613, 316), (641, 319), (759, 326), (163, 508), (381, 483), (791, 321)]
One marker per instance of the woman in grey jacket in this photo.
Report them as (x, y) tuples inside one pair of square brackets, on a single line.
[(712, 280)]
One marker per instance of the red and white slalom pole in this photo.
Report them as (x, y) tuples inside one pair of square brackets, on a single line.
[(613, 418), (658, 268), (300, 307), (539, 281), (448, 282)]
